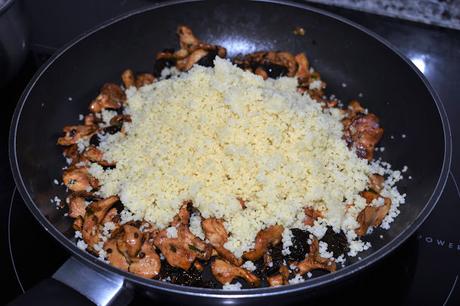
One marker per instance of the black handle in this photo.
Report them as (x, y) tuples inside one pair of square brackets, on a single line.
[(51, 292)]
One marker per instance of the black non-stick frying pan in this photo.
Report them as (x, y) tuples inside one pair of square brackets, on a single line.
[(343, 52)]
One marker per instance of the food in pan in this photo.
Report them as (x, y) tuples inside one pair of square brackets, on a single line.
[(226, 173)]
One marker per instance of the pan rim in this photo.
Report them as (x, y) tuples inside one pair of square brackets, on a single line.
[(218, 293)]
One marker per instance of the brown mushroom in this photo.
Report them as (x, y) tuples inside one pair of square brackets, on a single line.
[(78, 179), (77, 206), (269, 236), (147, 262), (376, 182), (95, 155), (127, 77), (311, 215), (176, 253), (129, 240), (362, 130), (303, 71), (225, 273), (217, 236), (372, 215), (111, 96), (95, 213), (314, 261), (114, 256), (73, 133), (144, 79), (280, 278)]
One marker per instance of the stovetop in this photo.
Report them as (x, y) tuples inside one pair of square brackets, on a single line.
[(423, 271)]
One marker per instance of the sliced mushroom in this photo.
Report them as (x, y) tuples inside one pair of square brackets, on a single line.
[(183, 216), (71, 152), (90, 230), (130, 240), (147, 262), (78, 224), (225, 273), (217, 236), (265, 238), (311, 215), (110, 97), (372, 215), (303, 71), (77, 206), (176, 253), (376, 182), (362, 131), (114, 256), (79, 179), (91, 119), (95, 213), (73, 133), (314, 261), (95, 155), (194, 57), (199, 247), (280, 278), (127, 77), (144, 79), (192, 51), (101, 207), (114, 92), (111, 216)]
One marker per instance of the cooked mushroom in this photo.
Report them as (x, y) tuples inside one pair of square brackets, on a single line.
[(114, 256), (194, 57), (129, 240), (101, 207), (95, 155), (270, 236), (144, 79), (77, 206), (73, 133), (314, 261), (217, 236), (302, 72), (91, 119), (372, 215), (192, 51), (176, 253), (111, 216), (201, 249), (362, 130), (110, 97), (147, 262), (311, 215), (77, 224), (95, 213), (225, 273), (78, 179), (376, 182), (71, 153), (90, 230), (272, 64), (183, 216), (127, 77), (280, 278)]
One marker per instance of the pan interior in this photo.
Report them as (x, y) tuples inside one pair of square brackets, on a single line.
[(351, 62)]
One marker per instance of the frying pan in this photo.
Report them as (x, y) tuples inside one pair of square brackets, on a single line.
[(351, 60)]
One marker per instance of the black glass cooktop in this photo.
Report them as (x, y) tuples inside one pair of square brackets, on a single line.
[(423, 271)]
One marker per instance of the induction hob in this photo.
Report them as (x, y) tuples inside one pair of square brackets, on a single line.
[(423, 271)]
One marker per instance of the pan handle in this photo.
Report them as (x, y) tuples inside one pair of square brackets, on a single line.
[(77, 284)]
